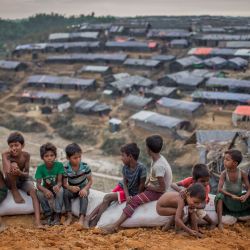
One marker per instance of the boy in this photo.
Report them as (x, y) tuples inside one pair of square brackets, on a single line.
[(200, 174), (134, 177), (172, 203), (230, 198), (77, 182), (3, 194), (16, 169), (49, 184), (159, 181)]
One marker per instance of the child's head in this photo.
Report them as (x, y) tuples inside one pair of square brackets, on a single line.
[(154, 144), (200, 174), (232, 159), (73, 153), (196, 194), (48, 153), (16, 143), (130, 152)]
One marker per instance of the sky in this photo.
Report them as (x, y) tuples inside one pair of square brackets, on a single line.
[(13, 9)]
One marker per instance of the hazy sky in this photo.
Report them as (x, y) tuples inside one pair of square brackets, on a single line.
[(23, 8)]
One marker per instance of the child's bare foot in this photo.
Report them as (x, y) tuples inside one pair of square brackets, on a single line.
[(17, 196), (212, 226), (168, 225), (220, 226), (109, 229), (39, 225), (69, 220), (83, 222)]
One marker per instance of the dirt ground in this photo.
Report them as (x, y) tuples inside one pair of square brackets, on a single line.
[(20, 234)]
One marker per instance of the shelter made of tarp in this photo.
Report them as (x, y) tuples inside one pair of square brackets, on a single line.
[(137, 102), (156, 122), (242, 110), (59, 82), (11, 65), (131, 45), (87, 57), (94, 26), (224, 97), (95, 69), (223, 37), (179, 43), (215, 62), (160, 91), (86, 107), (163, 58), (74, 36), (229, 84), (168, 33), (189, 61), (145, 63), (237, 63), (237, 44)]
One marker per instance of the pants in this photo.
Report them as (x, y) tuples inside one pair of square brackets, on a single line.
[(51, 205), (68, 196), (140, 199), (23, 183)]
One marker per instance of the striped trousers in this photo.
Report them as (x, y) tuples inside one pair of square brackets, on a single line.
[(140, 199)]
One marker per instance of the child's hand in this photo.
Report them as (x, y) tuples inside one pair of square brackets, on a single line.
[(74, 189), (235, 197), (14, 168), (48, 194), (17, 172), (128, 199), (149, 187), (243, 198), (196, 234), (56, 188), (83, 193)]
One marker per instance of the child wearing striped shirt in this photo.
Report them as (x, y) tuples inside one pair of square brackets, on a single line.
[(77, 182)]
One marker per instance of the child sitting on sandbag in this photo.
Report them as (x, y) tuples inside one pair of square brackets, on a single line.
[(134, 177), (16, 163), (230, 199), (76, 182), (49, 184)]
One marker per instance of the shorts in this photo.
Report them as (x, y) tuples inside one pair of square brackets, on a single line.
[(3, 193), (120, 192), (24, 184)]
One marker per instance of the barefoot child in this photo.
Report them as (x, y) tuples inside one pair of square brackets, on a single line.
[(49, 184), (16, 169), (159, 181), (230, 199), (173, 203), (134, 177), (3, 194), (77, 182), (200, 174)]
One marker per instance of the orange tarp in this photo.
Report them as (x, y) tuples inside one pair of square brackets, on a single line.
[(152, 45), (202, 51), (242, 110)]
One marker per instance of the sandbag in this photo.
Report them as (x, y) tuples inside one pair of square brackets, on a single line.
[(9, 207)]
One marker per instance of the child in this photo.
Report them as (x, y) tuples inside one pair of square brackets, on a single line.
[(172, 203), (200, 174), (77, 182), (159, 181), (230, 199), (134, 177), (16, 169), (49, 184), (3, 194)]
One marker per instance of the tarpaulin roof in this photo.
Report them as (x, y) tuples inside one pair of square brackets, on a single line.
[(223, 96), (189, 61), (157, 119), (168, 33), (161, 91), (91, 106), (95, 69), (179, 104), (210, 62), (163, 58), (41, 94), (69, 36), (242, 110), (238, 44), (142, 62), (9, 64), (200, 51), (136, 101)]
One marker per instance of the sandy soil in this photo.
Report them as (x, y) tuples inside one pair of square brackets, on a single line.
[(20, 234)]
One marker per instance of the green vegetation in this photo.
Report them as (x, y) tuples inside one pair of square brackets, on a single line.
[(38, 27)]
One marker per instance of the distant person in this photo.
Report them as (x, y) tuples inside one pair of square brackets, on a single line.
[(173, 203), (49, 184), (3, 195), (231, 200), (16, 163), (159, 181), (200, 174), (77, 182), (134, 177)]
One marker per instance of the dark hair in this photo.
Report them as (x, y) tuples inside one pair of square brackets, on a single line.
[(200, 171), (15, 137), (235, 155), (47, 147), (197, 190), (131, 149), (154, 143), (72, 149)]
